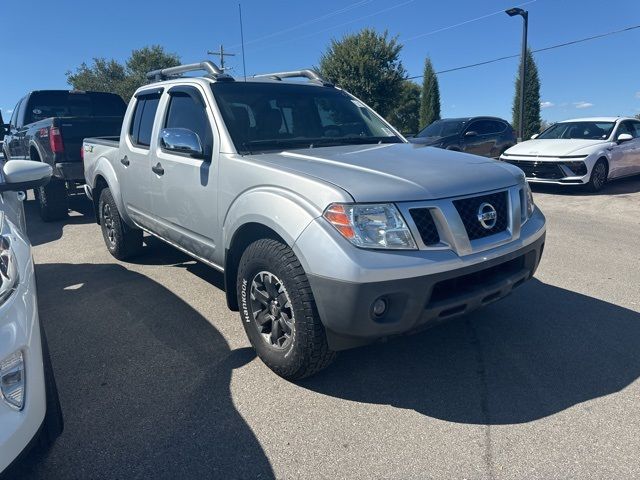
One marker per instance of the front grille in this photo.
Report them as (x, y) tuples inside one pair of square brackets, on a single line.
[(468, 209), (426, 226), (532, 169)]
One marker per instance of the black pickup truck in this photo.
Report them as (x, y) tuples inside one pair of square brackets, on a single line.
[(49, 126)]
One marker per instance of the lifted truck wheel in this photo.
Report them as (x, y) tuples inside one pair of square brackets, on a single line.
[(279, 313), (122, 241), (53, 200)]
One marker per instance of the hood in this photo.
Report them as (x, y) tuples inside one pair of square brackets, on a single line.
[(397, 172), (553, 147)]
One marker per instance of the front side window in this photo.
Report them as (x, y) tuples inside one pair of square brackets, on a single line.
[(583, 130), (277, 116), (14, 115), (630, 128), (142, 119), (188, 111)]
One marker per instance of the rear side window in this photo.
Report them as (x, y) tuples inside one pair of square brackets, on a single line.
[(188, 111), (143, 116)]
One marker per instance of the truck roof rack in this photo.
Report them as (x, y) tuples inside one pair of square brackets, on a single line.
[(208, 66), (309, 74)]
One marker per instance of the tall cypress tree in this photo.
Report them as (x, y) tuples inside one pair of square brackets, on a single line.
[(532, 120), (430, 98)]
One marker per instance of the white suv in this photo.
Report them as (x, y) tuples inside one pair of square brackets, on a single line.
[(584, 151), (29, 407)]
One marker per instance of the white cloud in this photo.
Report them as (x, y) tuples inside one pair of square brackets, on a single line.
[(583, 104), (547, 104)]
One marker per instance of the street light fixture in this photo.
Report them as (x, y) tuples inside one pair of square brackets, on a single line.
[(514, 12)]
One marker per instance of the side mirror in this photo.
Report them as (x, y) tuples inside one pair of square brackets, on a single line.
[(471, 133), (534, 136), (181, 140), (20, 175), (624, 137)]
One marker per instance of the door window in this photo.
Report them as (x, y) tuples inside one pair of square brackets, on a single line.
[(142, 122), (629, 127), (20, 117), (14, 115), (187, 110)]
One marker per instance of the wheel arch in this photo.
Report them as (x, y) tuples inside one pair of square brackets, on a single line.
[(103, 177), (244, 236)]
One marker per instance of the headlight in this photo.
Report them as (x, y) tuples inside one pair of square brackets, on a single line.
[(12, 380), (371, 225), (527, 202), (8, 263)]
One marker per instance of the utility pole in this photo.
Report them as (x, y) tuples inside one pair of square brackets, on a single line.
[(221, 53), (512, 12)]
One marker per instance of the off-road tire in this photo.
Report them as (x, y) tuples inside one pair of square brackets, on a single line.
[(596, 182), (122, 241), (308, 351), (53, 201)]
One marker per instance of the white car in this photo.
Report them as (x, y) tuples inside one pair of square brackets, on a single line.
[(583, 151), (29, 407)]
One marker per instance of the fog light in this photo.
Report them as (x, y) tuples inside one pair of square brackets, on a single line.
[(12, 381), (379, 307)]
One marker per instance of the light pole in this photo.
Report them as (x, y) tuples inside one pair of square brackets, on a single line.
[(512, 12)]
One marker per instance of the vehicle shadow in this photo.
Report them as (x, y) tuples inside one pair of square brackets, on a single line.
[(144, 382), (41, 232), (505, 364), (623, 186)]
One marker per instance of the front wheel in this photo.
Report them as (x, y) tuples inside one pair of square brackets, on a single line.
[(279, 312), (598, 176), (122, 241)]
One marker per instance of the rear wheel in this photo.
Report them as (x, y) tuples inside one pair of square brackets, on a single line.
[(279, 312), (121, 240), (53, 200), (598, 176)]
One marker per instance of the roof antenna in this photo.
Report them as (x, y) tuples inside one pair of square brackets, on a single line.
[(244, 66)]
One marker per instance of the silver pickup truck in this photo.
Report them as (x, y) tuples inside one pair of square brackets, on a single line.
[(332, 231)]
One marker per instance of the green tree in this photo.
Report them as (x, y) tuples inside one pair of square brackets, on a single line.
[(368, 65), (430, 99), (111, 76), (405, 114), (532, 120)]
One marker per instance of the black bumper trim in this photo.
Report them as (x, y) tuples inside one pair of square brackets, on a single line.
[(415, 303)]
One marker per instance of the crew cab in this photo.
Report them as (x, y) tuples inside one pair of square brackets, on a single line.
[(331, 230), (581, 151), (49, 126)]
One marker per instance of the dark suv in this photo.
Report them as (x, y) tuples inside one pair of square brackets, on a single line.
[(486, 136)]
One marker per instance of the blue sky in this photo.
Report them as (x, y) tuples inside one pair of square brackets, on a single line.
[(601, 77)]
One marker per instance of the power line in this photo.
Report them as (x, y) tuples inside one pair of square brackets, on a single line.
[(308, 22), (552, 47), (499, 12), (384, 10)]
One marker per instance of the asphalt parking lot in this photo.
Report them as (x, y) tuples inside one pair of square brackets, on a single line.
[(157, 379)]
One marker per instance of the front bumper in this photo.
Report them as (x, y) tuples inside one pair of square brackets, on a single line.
[(557, 171), (420, 287), (19, 330)]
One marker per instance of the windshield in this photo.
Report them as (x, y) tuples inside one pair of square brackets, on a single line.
[(579, 130), (278, 116), (74, 104), (443, 128)]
